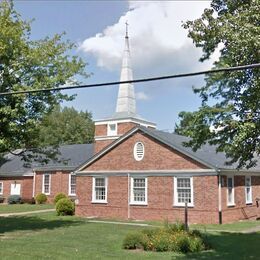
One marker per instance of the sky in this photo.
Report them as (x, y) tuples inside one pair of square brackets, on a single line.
[(158, 42)]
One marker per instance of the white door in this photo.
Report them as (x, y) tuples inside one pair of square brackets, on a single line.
[(15, 189)]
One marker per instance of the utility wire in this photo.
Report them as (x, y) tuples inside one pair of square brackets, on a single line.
[(245, 67)]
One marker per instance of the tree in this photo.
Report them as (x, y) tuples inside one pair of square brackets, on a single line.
[(183, 128), (24, 65), (230, 112), (66, 126)]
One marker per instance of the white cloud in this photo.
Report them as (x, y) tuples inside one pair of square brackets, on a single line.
[(158, 42), (141, 96)]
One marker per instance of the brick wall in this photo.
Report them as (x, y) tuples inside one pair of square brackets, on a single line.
[(59, 183), (157, 157), (240, 210), (160, 200), (101, 130), (26, 187)]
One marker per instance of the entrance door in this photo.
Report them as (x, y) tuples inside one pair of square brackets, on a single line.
[(15, 189)]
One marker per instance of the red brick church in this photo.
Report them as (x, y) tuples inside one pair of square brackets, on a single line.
[(133, 171)]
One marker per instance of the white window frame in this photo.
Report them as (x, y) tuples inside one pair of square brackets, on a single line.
[(132, 201), (175, 192), (250, 201), (2, 188), (109, 132), (94, 200), (70, 193), (232, 203), (43, 182), (135, 151)]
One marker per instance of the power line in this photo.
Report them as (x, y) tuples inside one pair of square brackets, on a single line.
[(244, 67)]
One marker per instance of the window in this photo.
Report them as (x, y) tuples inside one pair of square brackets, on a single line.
[(139, 151), (72, 184), (230, 191), (183, 191), (112, 129), (139, 191), (248, 189), (99, 189), (46, 184), (1, 187)]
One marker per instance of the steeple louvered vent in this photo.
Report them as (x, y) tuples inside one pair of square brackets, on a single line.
[(139, 151)]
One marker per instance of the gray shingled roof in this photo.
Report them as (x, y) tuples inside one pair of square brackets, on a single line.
[(74, 155), (206, 154)]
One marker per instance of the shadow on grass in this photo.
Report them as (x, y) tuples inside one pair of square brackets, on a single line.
[(230, 246), (33, 223)]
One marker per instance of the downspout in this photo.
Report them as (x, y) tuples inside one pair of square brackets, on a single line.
[(219, 200), (128, 196), (33, 193)]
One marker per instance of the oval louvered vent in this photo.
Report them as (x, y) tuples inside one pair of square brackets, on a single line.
[(139, 151)]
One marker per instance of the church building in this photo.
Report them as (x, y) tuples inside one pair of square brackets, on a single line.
[(138, 172), (134, 171)]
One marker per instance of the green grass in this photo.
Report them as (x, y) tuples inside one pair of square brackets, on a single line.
[(236, 226), (15, 208), (47, 236)]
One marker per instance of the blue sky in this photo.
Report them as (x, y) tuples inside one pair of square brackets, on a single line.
[(159, 46)]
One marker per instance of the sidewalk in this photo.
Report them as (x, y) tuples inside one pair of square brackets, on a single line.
[(26, 212)]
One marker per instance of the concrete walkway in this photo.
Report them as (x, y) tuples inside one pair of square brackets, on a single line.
[(26, 212)]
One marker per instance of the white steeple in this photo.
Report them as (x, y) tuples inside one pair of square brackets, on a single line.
[(126, 96)]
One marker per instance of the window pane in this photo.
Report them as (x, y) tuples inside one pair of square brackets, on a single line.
[(100, 182), (100, 193), (100, 189), (73, 179), (230, 182), (1, 187), (230, 195), (139, 190), (184, 190), (139, 183)]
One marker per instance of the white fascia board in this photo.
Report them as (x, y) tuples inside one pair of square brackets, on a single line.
[(200, 172), (125, 120), (105, 137), (239, 172)]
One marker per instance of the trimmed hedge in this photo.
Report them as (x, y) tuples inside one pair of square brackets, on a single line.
[(14, 199), (65, 207), (170, 238), (59, 196), (41, 198)]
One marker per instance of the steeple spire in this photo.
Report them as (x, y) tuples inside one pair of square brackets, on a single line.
[(126, 97)]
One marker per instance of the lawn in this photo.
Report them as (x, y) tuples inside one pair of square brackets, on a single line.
[(15, 208), (46, 236)]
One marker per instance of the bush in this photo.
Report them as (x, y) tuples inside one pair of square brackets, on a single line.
[(65, 207), (14, 199), (170, 238), (2, 199), (41, 198), (133, 241), (59, 196)]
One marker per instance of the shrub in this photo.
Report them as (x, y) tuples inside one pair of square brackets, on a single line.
[(133, 241), (2, 199), (41, 198), (59, 196), (65, 207), (175, 227), (169, 238), (14, 199)]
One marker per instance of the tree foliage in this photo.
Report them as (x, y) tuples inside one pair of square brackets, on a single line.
[(183, 128), (66, 126), (24, 65), (230, 101)]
